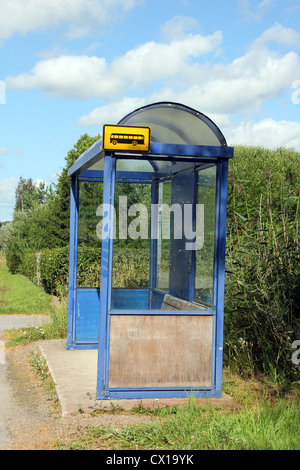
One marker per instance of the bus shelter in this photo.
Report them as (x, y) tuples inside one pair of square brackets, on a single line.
[(150, 198)]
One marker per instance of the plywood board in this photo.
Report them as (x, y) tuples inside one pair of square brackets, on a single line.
[(160, 351)]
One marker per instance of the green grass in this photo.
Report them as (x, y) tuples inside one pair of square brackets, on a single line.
[(266, 426), (260, 416), (263, 425), (19, 296)]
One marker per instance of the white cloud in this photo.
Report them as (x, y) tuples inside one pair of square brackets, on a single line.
[(115, 111), (87, 77), (70, 77), (258, 75), (16, 152), (175, 70), (267, 133), (281, 35), (5, 151), (158, 61), (238, 87), (178, 26), (19, 16), (38, 182), (255, 11), (112, 113), (7, 197)]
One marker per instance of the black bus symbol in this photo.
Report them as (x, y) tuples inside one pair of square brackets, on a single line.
[(127, 139)]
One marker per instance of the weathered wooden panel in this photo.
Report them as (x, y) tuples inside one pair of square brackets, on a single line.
[(160, 351)]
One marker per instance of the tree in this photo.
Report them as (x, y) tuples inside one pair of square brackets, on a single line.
[(64, 183), (29, 192), (41, 215), (24, 190)]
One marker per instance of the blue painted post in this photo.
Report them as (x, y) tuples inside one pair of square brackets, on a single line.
[(222, 209), (153, 258), (72, 261), (104, 288)]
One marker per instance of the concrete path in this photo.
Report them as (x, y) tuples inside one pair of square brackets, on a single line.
[(11, 322), (74, 373)]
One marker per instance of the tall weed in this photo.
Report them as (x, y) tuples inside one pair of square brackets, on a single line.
[(262, 317)]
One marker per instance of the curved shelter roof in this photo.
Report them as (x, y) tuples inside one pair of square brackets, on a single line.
[(175, 123), (171, 123)]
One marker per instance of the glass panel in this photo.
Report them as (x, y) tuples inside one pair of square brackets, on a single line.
[(163, 241), (99, 165), (131, 246), (204, 256), (89, 245)]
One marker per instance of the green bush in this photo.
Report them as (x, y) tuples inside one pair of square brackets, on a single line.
[(29, 268), (262, 299), (13, 256), (130, 269), (54, 269)]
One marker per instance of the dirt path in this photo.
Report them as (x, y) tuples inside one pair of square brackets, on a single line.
[(27, 419), (30, 419)]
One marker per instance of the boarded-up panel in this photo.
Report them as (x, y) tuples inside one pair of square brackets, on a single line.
[(160, 351)]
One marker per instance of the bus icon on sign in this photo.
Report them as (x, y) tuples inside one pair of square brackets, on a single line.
[(127, 139)]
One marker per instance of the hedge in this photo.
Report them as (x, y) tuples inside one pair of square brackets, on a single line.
[(54, 268)]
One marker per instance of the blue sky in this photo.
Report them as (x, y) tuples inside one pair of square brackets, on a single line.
[(69, 66)]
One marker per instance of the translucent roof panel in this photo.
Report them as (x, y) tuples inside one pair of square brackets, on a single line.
[(174, 123), (171, 123), (134, 165)]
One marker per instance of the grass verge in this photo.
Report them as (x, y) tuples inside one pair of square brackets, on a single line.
[(55, 329), (20, 296), (260, 425)]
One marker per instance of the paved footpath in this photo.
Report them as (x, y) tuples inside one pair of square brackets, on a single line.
[(8, 405)]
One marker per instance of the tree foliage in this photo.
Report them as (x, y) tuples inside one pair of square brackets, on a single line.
[(63, 185), (41, 215), (28, 193)]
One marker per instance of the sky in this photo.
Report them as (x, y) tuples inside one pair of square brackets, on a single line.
[(69, 66)]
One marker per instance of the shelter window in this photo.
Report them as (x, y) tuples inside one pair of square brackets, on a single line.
[(204, 256)]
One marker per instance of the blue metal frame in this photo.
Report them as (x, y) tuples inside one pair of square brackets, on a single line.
[(106, 392), (72, 263), (221, 214), (182, 156), (105, 277)]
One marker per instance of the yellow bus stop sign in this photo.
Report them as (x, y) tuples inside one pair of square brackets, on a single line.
[(126, 138)]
